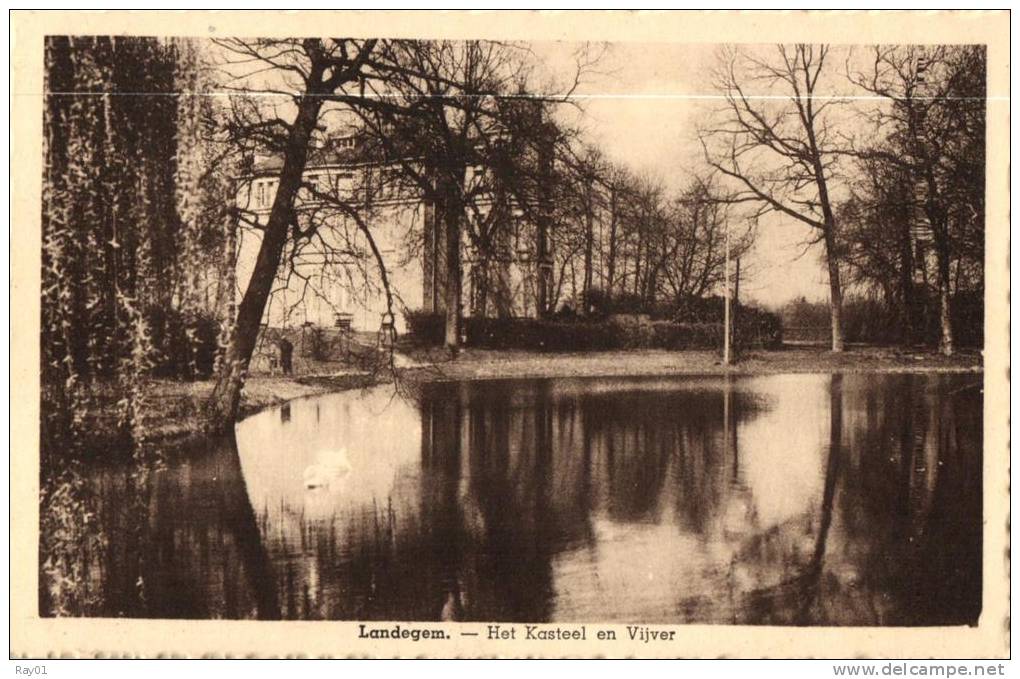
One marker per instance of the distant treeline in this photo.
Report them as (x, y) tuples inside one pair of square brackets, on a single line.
[(871, 320)]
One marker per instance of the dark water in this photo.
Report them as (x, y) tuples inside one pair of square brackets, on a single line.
[(787, 499)]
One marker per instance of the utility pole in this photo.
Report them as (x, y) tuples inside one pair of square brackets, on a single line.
[(726, 312), (736, 292), (735, 307)]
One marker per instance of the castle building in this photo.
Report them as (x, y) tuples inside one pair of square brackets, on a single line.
[(331, 276)]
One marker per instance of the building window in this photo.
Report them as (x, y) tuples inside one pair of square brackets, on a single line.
[(392, 177), (314, 179)]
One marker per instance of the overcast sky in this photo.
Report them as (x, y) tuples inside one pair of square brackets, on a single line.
[(643, 108)]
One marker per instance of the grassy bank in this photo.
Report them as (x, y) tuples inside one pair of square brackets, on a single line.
[(175, 410), (483, 364)]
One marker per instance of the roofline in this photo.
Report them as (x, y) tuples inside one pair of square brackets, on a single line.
[(323, 166)]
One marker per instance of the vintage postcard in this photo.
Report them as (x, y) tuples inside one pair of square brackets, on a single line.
[(473, 334)]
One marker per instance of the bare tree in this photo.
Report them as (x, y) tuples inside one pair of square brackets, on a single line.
[(584, 196), (932, 128), (693, 256), (311, 69), (776, 143), (619, 183)]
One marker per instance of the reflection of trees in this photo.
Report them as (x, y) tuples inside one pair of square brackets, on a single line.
[(125, 583), (617, 452), (952, 541), (913, 529), (629, 456), (182, 542), (205, 532), (540, 464), (902, 544), (240, 524), (494, 546), (511, 471), (637, 449), (441, 460), (785, 562)]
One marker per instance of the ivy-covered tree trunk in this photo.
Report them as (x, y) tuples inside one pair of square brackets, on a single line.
[(111, 232)]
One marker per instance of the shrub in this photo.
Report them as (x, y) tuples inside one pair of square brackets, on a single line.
[(678, 336), (869, 320), (425, 327), (188, 343), (316, 344), (602, 304), (541, 335), (968, 314), (599, 303), (755, 327), (564, 332), (565, 313)]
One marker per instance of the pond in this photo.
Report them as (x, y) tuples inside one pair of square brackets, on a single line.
[(782, 499)]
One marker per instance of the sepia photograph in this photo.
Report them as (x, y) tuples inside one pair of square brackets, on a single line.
[(473, 339)]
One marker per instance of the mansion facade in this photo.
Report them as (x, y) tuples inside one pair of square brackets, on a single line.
[(332, 277)]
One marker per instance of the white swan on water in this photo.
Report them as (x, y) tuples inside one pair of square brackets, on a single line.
[(331, 465)]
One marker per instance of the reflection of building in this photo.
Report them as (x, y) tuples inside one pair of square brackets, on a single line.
[(333, 273)]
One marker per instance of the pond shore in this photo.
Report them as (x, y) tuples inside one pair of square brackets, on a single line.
[(179, 414), (486, 364), (181, 404)]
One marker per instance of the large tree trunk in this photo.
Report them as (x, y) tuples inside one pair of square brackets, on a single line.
[(945, 298), (835, 290), (940, 233), (908, 304), (434, 261), (452, 216), (226, 397), (831, 250)]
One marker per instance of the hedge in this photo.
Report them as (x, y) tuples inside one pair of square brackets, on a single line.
[(754, 330)]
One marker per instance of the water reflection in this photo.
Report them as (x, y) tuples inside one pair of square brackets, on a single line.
[(798, 499), (180, 541)]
